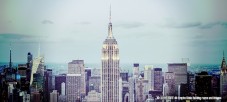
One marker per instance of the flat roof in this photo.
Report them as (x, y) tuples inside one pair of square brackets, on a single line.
[(73, 74)]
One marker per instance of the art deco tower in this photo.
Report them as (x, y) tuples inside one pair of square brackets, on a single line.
[(110, 68), (223, 78)]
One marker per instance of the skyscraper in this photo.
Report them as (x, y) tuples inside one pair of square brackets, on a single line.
[(59, 79), (73, 82), (110, 68), (77, 67), (158, 82), (180, 73), (149, 76), (223, 78), (203, 84), (136, 70)]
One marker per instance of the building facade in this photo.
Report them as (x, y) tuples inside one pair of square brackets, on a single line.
[(136, 70), (77, 67), (223, 79), (180, 73), (110, 68), (158, 79), (73, 87)]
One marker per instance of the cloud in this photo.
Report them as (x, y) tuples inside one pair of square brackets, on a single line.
[(14, 36), (196, 25), (10, 37), (47, 22), (213, 24), (130, 25), (182, 25)]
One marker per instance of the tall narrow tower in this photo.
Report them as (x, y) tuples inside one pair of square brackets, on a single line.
[(223, 78), (110, 68)]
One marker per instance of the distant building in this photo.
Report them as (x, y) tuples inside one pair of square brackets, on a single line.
[(54, 96), (180, 73), (29, 66), (124, 75), (132, 89), (165, 91), (203, 85), (95, 81), (29, 57), (48, 84), (93, 96), (183, 90), (23, 80), (87, 76), (125, 91), (62, 98), (136, 70), (96, 72), (191, 82), (73, 82), (169, 79), (77, 67), (37, 73), (62, 88), (36, 97), (149, 76), (59, 79), (223, 79), (158, 79), (141, 89)]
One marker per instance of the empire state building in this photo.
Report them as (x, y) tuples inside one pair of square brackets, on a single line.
[(110, 68)]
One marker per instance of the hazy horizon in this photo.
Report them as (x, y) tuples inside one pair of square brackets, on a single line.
[(147, 31)]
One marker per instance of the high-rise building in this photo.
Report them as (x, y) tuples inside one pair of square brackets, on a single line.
[(203, 84), (125, 91), (223, 78), (169, 79), (59, 79), (136, 70), (95, 81), (110, 68), (29, 57), (47, 83), (73, 82), (180, 73), (36, 97), (132, 90), (62, 88), (158, 82), (93, 96), (124, 75), (87, 76), (77, 67), (96, 72), (37, 66), (149, 76), (54, 96), (141, 89)]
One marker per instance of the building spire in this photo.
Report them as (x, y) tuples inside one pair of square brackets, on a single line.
[(10, 59), (223, 54), (110, 13), (110, 33)]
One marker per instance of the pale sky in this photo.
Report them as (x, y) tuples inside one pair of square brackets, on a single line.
[(147, 31)]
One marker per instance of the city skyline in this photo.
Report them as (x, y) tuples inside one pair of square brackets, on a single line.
[(147, 31)]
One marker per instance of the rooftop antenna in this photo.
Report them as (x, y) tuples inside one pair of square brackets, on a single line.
[(110, 33), (10, 60), (110, 13), (223, 54)]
